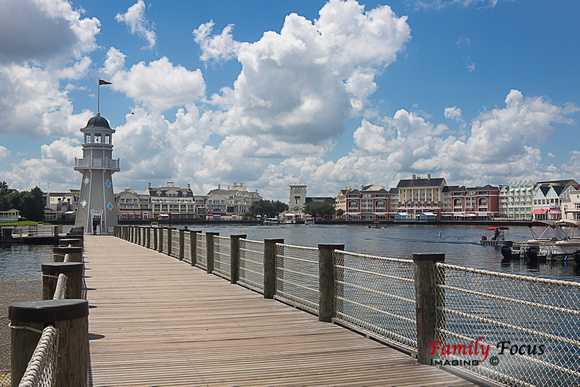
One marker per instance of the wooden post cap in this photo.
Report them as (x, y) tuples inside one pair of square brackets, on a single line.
[(62, 267), (331, 246), (64, 250), (428, 257), (48, 310), (69, 240)]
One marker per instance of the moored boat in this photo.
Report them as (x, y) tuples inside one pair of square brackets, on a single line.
[(497, 236)]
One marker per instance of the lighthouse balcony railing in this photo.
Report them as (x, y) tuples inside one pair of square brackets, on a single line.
[(97, 163)]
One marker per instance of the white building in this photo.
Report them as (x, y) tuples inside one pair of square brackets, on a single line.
[(571, 206), (233, 201), (171, 201)]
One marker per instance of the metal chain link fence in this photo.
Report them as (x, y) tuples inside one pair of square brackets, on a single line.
[(251, 264), (528, 326), (377, 294), (201, 246), (221, 255), (297, 276)]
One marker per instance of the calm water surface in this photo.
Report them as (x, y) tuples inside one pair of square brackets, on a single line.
[(458, 243)]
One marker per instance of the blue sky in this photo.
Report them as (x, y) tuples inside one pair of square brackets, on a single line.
[(328, 93)]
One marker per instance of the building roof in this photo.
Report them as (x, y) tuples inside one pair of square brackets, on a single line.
[(419, 182), (98, 122)]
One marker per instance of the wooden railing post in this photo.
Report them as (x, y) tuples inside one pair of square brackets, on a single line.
[(425, 302), (148, 237), (181, 244), (70, 318), (169, 235), (326, 284), (155, 238), (160, 240), (209, 241), (193, 246), (270, 267), (235, 257), (74, 284)]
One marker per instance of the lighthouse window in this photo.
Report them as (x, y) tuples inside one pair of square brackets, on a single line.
[(98, 138), (107, 138), (87, 138)]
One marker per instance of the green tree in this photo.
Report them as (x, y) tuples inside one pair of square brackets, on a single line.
[(319, 209), (267, 208), (32, 205)]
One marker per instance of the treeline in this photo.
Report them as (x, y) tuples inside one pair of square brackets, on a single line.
[(271, 209), (267, 208), (29, 203)]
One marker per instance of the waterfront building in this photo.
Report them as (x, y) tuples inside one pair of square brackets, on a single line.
[(133, 206), (368, 202), (97, 211), (235, 201), (518, 200), (419, 196), (61, 205), (548, 196), (503, 201), (461, 202), (171, 201), (297, 198), (571, 206), (9, 216)]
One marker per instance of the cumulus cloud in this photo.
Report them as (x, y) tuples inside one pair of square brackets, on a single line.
[(135, 19), (218, 48), (42, 43), (299, 86), (4, 152), (42, 30), (159, 85)]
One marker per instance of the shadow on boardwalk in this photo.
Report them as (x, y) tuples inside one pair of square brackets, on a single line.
[(155, 320)]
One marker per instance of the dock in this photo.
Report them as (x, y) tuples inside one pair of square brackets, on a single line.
[(158, 321)]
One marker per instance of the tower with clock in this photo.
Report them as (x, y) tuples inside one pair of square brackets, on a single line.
[(96, 211)]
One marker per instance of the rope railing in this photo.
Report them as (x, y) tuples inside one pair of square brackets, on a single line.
[(41, 369)]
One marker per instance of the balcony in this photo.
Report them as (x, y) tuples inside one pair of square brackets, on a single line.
[(92, 163)]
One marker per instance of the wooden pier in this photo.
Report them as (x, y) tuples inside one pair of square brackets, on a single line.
[(157, 321)]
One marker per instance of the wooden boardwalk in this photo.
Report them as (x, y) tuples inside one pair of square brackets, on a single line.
[(156, 321)]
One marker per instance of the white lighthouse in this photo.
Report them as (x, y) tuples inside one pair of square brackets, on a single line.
[(96, 211)]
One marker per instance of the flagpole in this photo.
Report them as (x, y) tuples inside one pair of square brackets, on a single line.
[(99, 97)]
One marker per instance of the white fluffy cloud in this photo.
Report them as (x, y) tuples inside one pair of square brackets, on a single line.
[(299, 86), (52, 41), (135, 19), (219, 48), (159, 85)]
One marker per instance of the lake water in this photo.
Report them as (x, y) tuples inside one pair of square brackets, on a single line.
[(458, 243)]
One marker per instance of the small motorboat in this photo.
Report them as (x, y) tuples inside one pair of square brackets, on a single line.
[(496, 236)]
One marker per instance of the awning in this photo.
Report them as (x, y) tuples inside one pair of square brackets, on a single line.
[(540, 211), (554, 212)]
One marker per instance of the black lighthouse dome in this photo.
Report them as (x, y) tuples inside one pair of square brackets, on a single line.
[(98, 122)]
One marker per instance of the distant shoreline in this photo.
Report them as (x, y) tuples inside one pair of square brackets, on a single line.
[(187, 222)]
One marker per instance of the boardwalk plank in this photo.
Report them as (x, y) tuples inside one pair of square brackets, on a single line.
[(157, 321)]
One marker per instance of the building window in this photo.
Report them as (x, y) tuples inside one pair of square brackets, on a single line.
[(87, 138), (98, 138), (107, 138)]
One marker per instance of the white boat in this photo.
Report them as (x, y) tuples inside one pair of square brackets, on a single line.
[(559, 240), (496, 236), (271, 221), (308, 221)]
